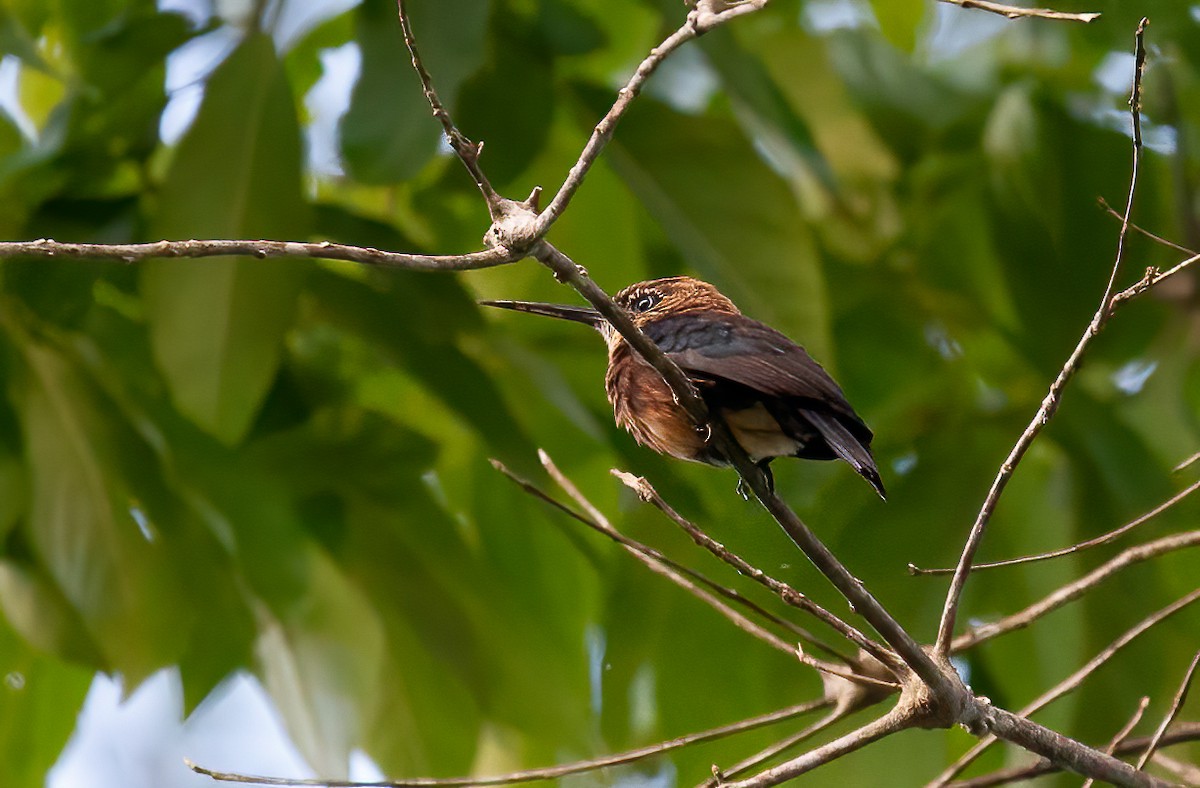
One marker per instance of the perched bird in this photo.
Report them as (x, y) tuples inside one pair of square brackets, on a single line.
[(776, 399)]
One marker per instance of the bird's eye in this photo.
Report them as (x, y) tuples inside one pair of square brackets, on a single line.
[(646, 302)]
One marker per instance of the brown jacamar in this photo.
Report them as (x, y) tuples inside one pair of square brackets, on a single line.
[(776, 399)]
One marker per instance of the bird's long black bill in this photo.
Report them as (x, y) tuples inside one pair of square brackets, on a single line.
[(579, 314)]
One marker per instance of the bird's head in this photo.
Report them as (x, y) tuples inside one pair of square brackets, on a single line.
[(645, 302), (676, 295)]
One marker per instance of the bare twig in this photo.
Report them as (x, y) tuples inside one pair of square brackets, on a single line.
[(1143, 231), (1072, 682), (895, 720), (467, 151), (729, 593), (1123, 733), (692, 582), (1018, 12), (1186, 462), (721, 776), (324, 250), (1075, 548), (1189, 773), (1172, 713), (1054, 397), (1151, 278), (1075, 589), (785, 592), (1184, 732), (530, 775)]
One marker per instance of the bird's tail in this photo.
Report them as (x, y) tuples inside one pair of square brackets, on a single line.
[(846, 446)]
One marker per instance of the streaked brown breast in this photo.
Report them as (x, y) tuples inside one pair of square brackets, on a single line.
[(645, 406)]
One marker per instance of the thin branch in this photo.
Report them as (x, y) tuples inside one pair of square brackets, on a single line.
[(1143, 231), (1151, 278), (729, 593), (1123, 733), (894, 721), (691, 582), (466, 150), (1188, 773), (1018, 12), (1070, 683), (1176, 705), (530, 775), (1054, 397), (789, 595), (703, 18), (324, 250), (1075, 589), (1075, 548), (1186, 462), (721, 776), (1185, 732)]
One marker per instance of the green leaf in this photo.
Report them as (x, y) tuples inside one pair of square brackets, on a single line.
[(217, 324), (764, 110), (97, 557), (414, 319), (514, 124), (322, 666), (900, 19), (37, 696)]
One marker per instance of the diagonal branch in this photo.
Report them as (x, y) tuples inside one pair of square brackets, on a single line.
[(1176, 705), (1075, 589), (729, 593), (1103, 539), (1020, 12), (691, 582), (466, 150), (784, 591), (1072, 682), (1123, 733), (530, 775), (894, 721), (721, 776), (1185, 732), (1054, 397)]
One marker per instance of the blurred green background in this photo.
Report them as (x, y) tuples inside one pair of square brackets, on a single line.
[(234, 465)]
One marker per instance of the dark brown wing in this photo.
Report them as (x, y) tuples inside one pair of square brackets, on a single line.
[(745, 351), (798, 391)]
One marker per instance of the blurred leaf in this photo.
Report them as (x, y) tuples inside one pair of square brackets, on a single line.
[(217, 324), (415, 326), (33, 696), (567, 29), (18, 32), (80, 526), (321, 667), (388, 135), (514, 124), (898, 21), (761, 105)]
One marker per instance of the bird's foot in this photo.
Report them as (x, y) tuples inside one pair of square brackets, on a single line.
[(743, 489)]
